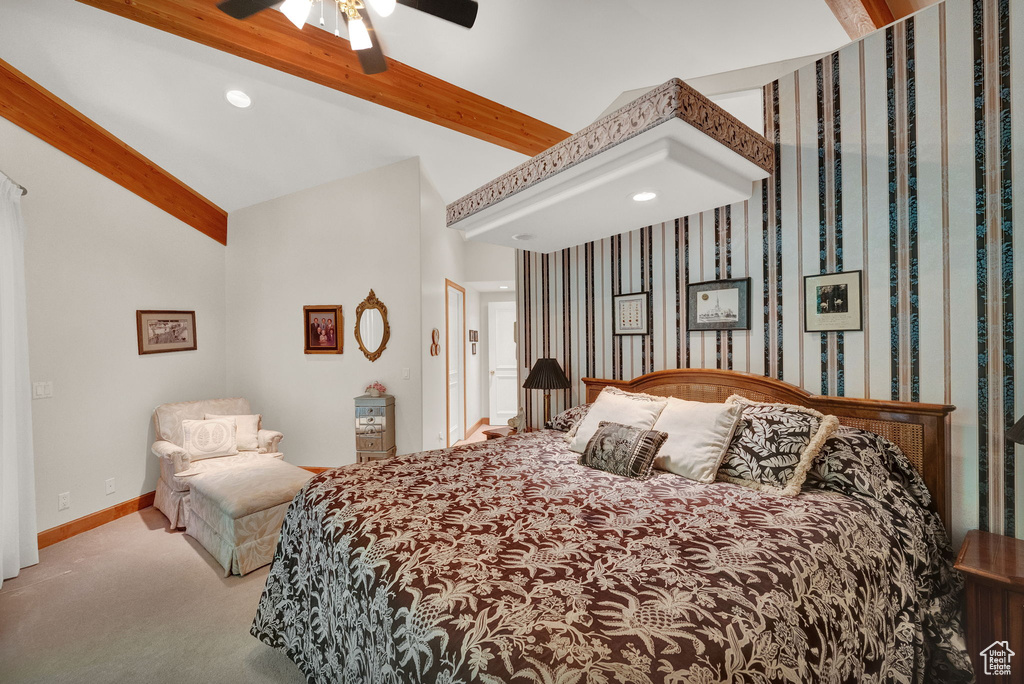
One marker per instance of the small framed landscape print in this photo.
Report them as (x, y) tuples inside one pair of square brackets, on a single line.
[(718, 305), (474, 335), (165, 331), (323, 326), (630, 313), (832, 302)]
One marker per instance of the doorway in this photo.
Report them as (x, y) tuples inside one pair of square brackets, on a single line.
[(501, 359), (455, 361)]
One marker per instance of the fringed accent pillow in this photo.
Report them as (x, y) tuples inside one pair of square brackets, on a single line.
[(774, 445), (623, 450), (567, 419)]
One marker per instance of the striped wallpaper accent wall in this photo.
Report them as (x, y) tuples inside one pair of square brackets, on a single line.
[(894, 158)]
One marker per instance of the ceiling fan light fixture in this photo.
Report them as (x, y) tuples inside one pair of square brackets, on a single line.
[(383, 7), (358, 35), (297, 11)]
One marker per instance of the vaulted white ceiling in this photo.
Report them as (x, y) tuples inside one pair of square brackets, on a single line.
[(560, 61)]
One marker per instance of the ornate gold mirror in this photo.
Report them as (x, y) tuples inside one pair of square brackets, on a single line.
[(372, 329)]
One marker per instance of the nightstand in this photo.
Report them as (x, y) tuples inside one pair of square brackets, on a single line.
[(993, 567)]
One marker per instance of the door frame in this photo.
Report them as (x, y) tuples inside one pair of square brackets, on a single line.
[(448, 286)]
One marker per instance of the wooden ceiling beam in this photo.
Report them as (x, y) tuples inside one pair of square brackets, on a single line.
[(268, 38), (28, 105), (861, 17)]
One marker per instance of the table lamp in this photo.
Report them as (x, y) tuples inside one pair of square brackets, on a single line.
[(1016, 433), (547, 375)]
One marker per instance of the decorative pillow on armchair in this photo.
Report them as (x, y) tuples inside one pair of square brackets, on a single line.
[(774, 445), (623, 450), (246, 429), (567, 419), (209, 438)]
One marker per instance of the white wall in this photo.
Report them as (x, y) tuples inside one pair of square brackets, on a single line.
[(94, 254), (441, 257), (325, 246)]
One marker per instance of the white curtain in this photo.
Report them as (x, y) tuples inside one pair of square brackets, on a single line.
[(18, 547)]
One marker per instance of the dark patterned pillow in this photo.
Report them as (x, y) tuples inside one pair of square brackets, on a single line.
[(774, 445), (567, 419), (855, 461), (623, 450)]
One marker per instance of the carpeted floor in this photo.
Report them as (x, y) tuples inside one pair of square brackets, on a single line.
[(132, 602)]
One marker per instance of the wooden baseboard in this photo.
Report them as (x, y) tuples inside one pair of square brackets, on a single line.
[(94, 520), (477, 425)]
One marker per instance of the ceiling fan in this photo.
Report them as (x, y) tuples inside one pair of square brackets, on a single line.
[(360, 28)]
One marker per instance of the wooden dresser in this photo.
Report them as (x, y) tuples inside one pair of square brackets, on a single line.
[(993, 567), (375, 427)]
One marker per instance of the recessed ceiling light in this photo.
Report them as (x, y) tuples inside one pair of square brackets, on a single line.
[(503, 287), (522, 237), (238, 99), (645, 196)]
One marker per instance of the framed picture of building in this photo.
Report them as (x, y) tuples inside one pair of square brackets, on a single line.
[(165, 331), (631, 313), (832, 302), (718, 305)]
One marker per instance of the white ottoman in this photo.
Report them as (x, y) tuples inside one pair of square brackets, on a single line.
[(236, 514)]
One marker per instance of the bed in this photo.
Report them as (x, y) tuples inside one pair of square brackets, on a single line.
[(506, 561)]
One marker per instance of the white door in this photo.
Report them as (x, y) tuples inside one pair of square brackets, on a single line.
[(501, 357), (455, 297)]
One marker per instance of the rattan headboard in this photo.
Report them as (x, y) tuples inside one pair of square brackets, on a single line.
[(920, 430)]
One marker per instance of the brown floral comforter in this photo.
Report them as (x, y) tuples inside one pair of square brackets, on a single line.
[(505, 561)]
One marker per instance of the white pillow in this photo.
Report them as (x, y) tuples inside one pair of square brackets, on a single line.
[(246, 429), (698, 437), (615, 406), (209, 438)]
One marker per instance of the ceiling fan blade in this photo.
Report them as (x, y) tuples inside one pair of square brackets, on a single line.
[(241, 9), (372, 59), (461, 12)]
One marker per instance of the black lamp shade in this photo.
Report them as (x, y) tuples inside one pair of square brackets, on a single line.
[(1016, 433), (546, 375)]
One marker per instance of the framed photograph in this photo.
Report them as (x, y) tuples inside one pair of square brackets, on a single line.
[(474, 347), (630, 313), (323, 326), (165, 331), (718, 305), (474, 335), (832, 302)]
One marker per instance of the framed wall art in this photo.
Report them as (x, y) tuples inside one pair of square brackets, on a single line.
[(165, 331), (630, 313), (474, 335), (718, 305), (322, 329), (833, 302)]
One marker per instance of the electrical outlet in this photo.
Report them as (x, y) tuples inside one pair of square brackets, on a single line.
[(110, 485), (63, 501)]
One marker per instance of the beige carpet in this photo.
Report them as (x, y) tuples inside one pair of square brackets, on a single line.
[(131, 602)]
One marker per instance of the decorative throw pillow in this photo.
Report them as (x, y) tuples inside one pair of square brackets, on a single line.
[(614, 405), (698, 436), (774, 445), (209, 438), (246, 430), (623, 450), (567, 419)]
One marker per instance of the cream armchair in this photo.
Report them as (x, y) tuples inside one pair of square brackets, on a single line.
[(176, 468)]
